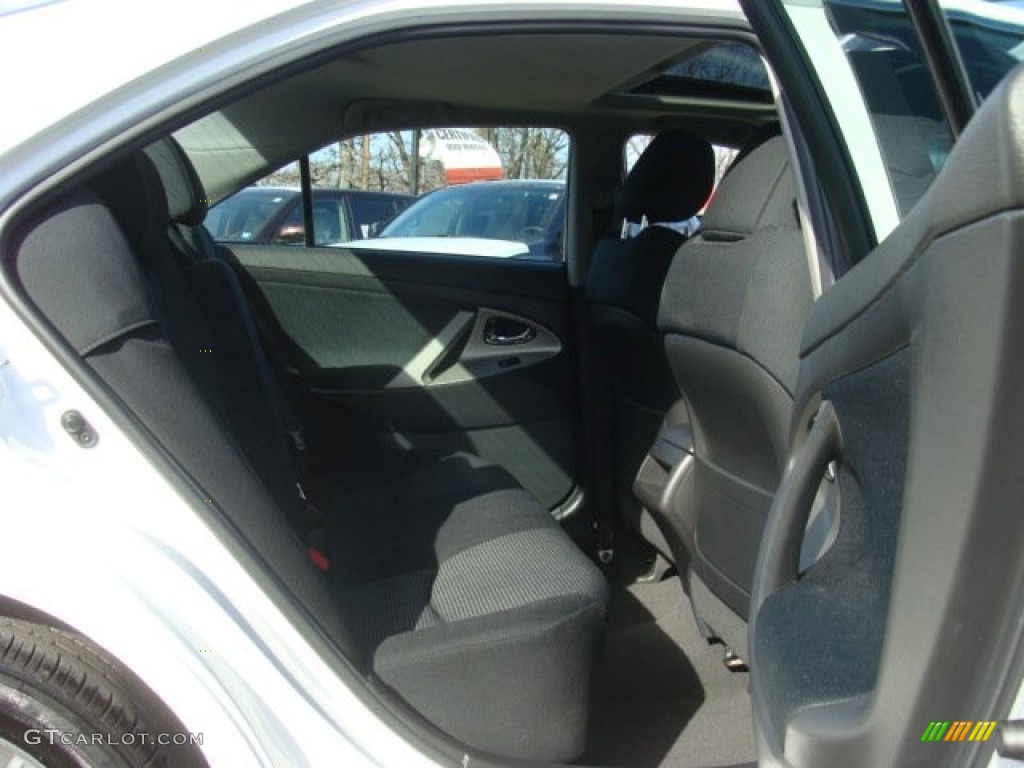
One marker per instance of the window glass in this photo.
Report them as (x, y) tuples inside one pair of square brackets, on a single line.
[(292, 229), (495, 191), (436, 219), (728, 63), (719, 71), (513, 217), (990, 37), (370, 213), (881, 45), (255, 214)]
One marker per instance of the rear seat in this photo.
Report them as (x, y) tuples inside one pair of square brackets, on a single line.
[(449, 583)]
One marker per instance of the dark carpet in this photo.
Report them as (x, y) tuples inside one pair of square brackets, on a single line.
[(663, 696)]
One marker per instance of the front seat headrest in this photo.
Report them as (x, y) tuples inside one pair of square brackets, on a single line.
[(757, 191), (671, 180)]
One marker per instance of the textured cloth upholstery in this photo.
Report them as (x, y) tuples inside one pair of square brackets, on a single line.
[(115, 296), (146, 371), (471, 603), (628, 274), (733, 310), (515, 681), (756, 193), (448, 582), (743, 280)]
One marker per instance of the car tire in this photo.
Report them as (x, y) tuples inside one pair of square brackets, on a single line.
[(65, 702)]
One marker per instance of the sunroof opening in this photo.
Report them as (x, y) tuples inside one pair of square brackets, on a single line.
[(722, 71)]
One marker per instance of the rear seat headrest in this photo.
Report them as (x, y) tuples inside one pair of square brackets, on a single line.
[(186, 197), (77, 267), (671, 180), (135, 195), (756, 192)]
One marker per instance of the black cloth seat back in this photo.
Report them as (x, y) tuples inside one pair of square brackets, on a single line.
[(670, 182), (734, 305), (75, 263), (205, 295), (187, 203), (256, 329)]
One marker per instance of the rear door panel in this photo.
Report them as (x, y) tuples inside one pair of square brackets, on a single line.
[(390, 349)]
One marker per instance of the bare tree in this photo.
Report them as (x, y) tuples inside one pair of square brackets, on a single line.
[(635, 147), (530, 153), (384, 161), (288, 176)]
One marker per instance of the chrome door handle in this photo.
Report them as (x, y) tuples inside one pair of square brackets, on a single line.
[(506, 332)]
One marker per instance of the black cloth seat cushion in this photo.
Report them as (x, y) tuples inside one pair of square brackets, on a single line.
[(472, 604)]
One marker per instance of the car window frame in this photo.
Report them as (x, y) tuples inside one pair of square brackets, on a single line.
[(849, 223), (804, 50)]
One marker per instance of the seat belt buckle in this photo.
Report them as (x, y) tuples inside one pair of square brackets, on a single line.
[(297, 440)]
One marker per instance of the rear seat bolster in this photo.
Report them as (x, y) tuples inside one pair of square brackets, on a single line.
[(91, 303), (75, 263), (146, 375), (478, 679)]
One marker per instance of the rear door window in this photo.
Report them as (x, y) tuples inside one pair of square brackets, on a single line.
[(253, 215), (495, 192)]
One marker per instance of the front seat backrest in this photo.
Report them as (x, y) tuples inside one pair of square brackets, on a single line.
[(734, 305), (670, 182)]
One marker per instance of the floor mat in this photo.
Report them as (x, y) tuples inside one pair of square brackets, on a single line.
[(663, 697)]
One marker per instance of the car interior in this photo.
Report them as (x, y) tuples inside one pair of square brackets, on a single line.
[(535, 505)]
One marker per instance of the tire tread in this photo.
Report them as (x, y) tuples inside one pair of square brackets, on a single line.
[(82, 678)]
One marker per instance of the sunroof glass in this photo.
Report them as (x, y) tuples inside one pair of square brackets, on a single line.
[(728, 63)]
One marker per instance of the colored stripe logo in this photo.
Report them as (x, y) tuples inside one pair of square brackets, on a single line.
[(959, 730)]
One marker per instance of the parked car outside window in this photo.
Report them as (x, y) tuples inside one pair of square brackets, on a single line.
[(273, 215), (506, 219)]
